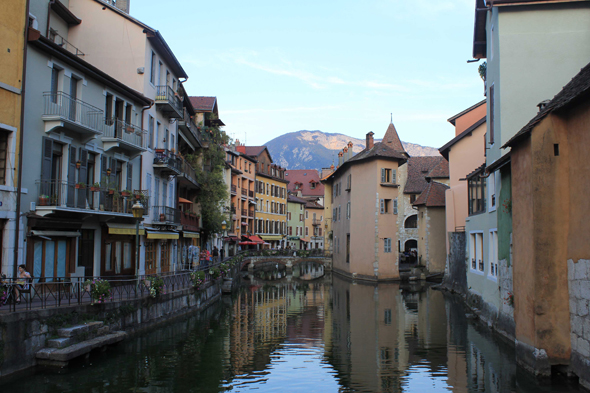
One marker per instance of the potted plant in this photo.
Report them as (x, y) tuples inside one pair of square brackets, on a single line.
[(78, 164), (111, 191), (80, 185), (215, 273), (162, 217), (100, 290), (95, 187), (125, 193), (109, 171), (155, 284), (129, 129), (197, 278), (43, 200)]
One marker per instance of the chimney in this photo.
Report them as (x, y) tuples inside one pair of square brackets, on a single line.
[(340, 160), (345, 154), (370, 139), (350, 153), (541, 105)]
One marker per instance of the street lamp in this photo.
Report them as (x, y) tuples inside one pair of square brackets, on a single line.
[(138, 215)]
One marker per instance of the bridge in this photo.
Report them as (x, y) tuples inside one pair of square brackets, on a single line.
[(287, 258)]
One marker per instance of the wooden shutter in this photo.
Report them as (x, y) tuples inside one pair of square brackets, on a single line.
[(394, 176), (83, 178), (71, 186), (46, 164), (383, 175), (103, 177), (381, 206), (130, 177), (395, 206), (113, 166)]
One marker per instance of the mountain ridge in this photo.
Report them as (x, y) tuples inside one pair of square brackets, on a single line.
[(315, 149)]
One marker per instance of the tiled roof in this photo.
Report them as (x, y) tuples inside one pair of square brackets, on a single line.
[(479, 169), (441, 171), (313, 205), (252, 151), (379, 149), (577, 89), (304, 177), (391, 139), (419, 168), (203, 103), (295, 199), (433, 195)]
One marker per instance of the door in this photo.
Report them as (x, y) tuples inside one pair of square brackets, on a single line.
[(150, 257), (165, 257), (86, 252), (73, 98), (50, 258)]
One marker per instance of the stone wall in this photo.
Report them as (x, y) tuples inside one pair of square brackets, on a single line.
[(579, 295), (455, 278), (24, 333)]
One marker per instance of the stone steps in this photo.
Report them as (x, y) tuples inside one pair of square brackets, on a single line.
[(76, 341)]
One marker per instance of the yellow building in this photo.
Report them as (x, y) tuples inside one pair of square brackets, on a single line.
[(271, 197), (13, 24)]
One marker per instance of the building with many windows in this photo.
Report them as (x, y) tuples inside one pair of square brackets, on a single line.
[(364, 209), (296, 222), (271, 196), (314, 225)]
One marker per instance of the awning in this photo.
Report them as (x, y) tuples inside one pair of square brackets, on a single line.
[(231, 239), (185, 201), (124, 229), (272, 237), (305, 239), (162, 235), (193, 235), (247, 243), (244, 223), (255, 239), (56, 233), (293, 238)]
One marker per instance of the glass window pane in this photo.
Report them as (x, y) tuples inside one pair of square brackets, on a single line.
[(38, 258), (118, 258), (127, 256), (107, 256), (49, 258), (61, 258)]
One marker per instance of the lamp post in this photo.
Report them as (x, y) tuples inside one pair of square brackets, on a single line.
[(138, 215)]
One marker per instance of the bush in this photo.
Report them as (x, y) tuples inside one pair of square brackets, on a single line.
[(156, 286), (198, 278), (100, 290), (214, 272)]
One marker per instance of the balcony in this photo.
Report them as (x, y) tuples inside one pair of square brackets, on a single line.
[(167, 163), (251, 213), (315, 222), (123, 137), (165, 215), (188, 176), (189, 222), (189, 129), (60, 41), (57, 195), (168, 101), (251, 194), (62, 110), (244, 192), (234, 189)]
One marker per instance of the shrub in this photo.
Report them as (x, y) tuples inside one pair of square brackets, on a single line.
[(198, 278), (156, 286), (100, 290), (214, 272)]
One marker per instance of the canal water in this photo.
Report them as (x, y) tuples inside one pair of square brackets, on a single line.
[(300, 333)]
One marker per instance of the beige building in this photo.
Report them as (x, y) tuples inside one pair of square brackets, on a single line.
[(364, 209), (314, 225)]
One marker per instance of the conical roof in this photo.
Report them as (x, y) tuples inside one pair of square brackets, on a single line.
[(391, 139)]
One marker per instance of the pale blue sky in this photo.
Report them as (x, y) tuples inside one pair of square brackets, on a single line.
[(335, 66)]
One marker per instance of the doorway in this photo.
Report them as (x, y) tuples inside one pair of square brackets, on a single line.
[(86, 252)]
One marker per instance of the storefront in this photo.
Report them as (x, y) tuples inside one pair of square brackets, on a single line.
[(231, 242), (160, 251), (118, 249), (189, 249)]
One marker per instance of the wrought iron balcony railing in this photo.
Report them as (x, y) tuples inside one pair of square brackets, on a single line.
[(77, 113), (169, 100), (166, 215), (129, 134)]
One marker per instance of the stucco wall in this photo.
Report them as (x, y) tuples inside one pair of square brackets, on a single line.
[(434, 223)]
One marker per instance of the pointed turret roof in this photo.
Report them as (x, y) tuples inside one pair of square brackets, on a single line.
[(391, 139)]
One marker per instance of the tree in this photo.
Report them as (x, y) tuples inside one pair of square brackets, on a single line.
[(209, 163)]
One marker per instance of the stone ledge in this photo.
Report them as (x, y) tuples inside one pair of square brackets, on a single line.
[(76, 350)]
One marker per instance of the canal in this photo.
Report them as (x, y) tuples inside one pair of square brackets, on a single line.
[(298, 333)]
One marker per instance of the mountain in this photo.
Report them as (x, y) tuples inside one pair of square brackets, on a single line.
[(317, 149)]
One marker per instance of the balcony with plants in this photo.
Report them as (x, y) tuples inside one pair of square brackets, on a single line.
[(188, 127), (59, 195), (169, 102), (189, 221), (165, 215), (122, 137), (62, 110), (167, 162)]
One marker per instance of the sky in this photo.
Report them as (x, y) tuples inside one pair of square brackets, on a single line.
[(336, 66)]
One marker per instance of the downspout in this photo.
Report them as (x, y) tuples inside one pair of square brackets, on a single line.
[(20, 144), (141, 155), (48, 17)]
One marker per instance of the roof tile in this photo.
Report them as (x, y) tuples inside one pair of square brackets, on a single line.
[(433, 195), (304, 178), (419, 168)]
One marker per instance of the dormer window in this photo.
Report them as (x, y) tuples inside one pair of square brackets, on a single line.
[(312, 185)]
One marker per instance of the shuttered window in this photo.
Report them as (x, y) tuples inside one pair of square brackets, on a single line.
[(395, 206)]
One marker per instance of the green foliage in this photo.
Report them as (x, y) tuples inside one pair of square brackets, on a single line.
[(100, 290), (155, 285), (198, 278), (214, 272), (209, 164), (482, 69)]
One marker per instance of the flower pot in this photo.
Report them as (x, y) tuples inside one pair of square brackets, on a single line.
[(162, 217), (94, 189), (125, 194), (111, 192), (79, 186), (43, 201)]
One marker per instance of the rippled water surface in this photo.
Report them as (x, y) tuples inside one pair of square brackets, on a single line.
[(300, 334)]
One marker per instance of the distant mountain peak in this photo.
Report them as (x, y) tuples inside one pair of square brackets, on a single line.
[(315, 149)]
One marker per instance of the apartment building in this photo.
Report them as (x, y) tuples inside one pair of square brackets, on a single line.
[(296, 222)]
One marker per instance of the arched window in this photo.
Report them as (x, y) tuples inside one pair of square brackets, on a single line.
[(411, 222), (410, 245)]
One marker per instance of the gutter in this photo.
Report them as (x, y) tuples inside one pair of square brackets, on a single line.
[(141, 155)]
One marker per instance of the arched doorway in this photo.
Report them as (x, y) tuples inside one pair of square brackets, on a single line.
[(411, 250), (411, 245)]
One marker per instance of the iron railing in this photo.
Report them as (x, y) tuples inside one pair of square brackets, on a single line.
[(187, 170), (316, 222), (188, 123), (234, 188), (60, 41), (244, 192), (70, 109), (313, 253), (189, 222), (251, 194), (166, 157), (125, 132), (59, 193), (54, 292), (165, 94), (251, 213), (166, 214)]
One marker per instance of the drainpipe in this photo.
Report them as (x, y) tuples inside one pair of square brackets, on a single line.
[(20, 144), (141, 155), (48, 17)]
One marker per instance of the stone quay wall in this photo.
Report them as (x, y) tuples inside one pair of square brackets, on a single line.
[(579, 296)]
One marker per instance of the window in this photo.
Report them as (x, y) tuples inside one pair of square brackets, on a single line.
[(153, 69), (411, 222), (54, 83), (312, 185), (348, 211), (388, 175), (334, 214), (348, 182), (493, 254), (387, 245), (476, 251), (476, 190), (306, 231), (3, 155), (348, 248), (492, 191), (412, 198), (395, 206), (385, 206), (339, 211), (491, 114), (306, 215)]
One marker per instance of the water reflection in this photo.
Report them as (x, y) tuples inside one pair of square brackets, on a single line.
[(275, 271), (291, 335)]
